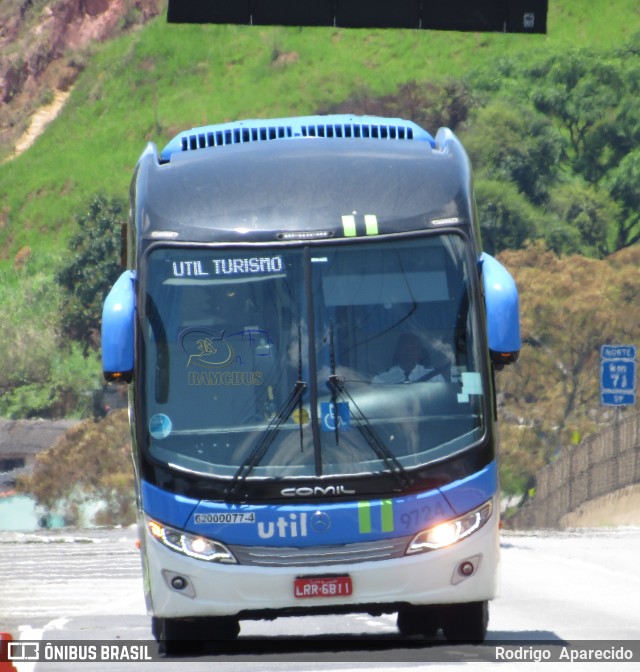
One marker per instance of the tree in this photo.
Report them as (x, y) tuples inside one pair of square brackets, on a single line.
[(570, 307), (624, 181), (579, 111), (39, 379), (617, 135), (507, 219), (591, 216), (90, 463), (509, 141), (428, 104), (93, 267), (576, 89)]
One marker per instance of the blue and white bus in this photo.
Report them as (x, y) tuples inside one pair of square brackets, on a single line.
[(310, 330)]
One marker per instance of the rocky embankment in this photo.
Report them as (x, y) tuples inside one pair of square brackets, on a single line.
[(43, 49)]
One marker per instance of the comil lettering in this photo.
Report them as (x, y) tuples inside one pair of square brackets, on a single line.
[(317, 490), (244, 266)]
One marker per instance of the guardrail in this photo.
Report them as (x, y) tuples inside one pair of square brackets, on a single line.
[(603, 463)]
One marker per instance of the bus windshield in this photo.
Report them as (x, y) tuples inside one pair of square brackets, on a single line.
[(311, 361)]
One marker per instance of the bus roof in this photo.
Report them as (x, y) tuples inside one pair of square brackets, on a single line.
[(302, 177)]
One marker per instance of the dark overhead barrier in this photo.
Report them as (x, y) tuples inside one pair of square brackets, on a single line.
[(510, 16)]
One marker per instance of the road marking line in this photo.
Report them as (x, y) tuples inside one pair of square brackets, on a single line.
[(27, 633)]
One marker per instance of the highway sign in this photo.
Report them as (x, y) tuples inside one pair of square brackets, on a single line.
[(514, 16), (618, 375)]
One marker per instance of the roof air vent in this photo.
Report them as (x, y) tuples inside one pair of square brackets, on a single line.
[(333, 126)]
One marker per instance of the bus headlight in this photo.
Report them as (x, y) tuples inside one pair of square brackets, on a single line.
[(451, 531), (192, 545)]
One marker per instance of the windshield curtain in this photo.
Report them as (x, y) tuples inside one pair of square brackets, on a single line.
[(326, 360)]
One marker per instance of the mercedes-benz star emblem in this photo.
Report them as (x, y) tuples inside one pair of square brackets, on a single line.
[(320, 522)]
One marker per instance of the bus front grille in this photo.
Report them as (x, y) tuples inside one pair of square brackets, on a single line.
[(288, 556)]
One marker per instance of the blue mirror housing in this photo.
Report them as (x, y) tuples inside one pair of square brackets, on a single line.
[(118, 330), (503, 311)]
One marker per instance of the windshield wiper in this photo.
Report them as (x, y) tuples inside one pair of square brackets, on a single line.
[(368, 433), (254, 458)]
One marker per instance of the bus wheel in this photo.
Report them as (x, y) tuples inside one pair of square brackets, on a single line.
[(220, 628), (466, 622), (180, 636), (175, 636), (418, 620)]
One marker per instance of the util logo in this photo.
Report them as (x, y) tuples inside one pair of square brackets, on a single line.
[(285, 527)]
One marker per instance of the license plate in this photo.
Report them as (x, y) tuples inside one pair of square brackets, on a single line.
[(322, 586)]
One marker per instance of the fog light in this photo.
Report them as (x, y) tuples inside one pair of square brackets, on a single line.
[(179, 583), (466, 568)]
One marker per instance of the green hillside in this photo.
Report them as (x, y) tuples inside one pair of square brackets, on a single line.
[(149, 85)]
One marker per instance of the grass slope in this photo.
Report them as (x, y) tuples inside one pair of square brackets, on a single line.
[(165, 78)]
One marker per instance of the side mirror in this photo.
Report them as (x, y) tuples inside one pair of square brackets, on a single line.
[(118, 330), (503, 311)]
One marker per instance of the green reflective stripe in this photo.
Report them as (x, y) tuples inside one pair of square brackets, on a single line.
[(386, 515), (350, 229), (371, 225), (349, 225), (364, 517), (385, 507)]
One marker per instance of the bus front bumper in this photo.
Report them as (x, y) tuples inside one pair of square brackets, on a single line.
[(178, 586)]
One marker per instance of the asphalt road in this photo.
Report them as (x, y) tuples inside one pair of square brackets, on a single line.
[(581, 587)]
